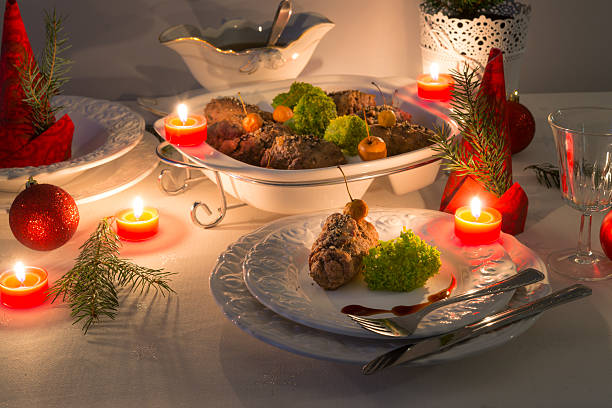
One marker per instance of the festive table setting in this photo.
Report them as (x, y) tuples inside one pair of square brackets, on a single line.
[(276, 239)]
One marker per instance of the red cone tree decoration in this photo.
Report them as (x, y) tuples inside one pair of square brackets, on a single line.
[(480, 158), (24, 141)]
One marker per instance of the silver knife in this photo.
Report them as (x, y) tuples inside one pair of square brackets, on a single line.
[(410, 352)]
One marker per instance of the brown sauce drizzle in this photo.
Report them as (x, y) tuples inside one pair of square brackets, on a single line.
[(401, 310)]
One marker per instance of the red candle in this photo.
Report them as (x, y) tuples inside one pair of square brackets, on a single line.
[(23, 286), (476, 226), (183, 129), (435, 86), (138, 223)]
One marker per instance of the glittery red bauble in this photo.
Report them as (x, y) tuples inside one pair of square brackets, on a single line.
[(605, 234), (43, 217), (521, 126)]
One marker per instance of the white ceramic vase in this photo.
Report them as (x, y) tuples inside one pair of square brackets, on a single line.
[(452, 42)]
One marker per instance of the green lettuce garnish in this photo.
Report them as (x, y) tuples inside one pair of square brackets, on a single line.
[(401, 264)]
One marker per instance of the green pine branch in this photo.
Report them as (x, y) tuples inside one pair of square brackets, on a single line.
[(90, 286), (41, 82), (481, 150), (461, 8)]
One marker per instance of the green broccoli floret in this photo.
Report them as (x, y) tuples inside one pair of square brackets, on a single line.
[(313, 113), (296, 91), (346, 131), (402, 264)]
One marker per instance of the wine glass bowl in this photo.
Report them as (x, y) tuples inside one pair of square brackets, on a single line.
[(583, 137)]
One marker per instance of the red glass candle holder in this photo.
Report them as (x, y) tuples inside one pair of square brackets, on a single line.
[(435, 89), (192, 132), (130, 228), (29, 293), (477, 231)]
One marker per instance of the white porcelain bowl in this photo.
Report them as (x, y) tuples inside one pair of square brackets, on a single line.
[(300, 191), (235, 53)]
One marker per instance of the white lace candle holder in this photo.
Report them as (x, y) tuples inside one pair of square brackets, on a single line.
[(452, 42)]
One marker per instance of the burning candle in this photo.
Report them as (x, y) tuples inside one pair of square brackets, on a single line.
[(435, 86), (23, 286), (475, 225), (137, 223), (184, 129)]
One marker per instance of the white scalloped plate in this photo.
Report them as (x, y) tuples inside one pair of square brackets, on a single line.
[(276, 272), (103, 131), (109, 178), (240, 307)]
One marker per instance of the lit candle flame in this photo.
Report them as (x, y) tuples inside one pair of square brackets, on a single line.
[(138, 207), (476, 207), (20, 271), (434, 71), (182, 112)]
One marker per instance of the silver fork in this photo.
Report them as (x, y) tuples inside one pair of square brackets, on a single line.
[(405, 326)]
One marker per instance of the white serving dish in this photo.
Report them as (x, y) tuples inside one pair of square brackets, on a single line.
[(299, 191), (103, 131), (215, 66)]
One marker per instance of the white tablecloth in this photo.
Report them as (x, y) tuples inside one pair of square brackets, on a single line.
[(181, 351)]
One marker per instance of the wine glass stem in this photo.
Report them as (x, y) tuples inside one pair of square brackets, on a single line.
[(584, 254)]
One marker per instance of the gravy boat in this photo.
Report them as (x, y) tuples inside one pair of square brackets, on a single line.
[(235, 53)]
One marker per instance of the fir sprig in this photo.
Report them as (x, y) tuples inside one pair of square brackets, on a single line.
[(90, 286), (41, 82), (481, 150), (461, 8)]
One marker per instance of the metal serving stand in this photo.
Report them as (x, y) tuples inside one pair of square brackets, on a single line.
[(165, 176)]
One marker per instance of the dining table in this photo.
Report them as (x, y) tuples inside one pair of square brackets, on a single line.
[(180, 349)]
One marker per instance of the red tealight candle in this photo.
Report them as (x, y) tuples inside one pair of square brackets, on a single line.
[(23, 286), (435, 86), (476, 226), (183, 129), (138, 223)]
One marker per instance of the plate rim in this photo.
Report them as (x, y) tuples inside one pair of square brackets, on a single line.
[(6, 198)]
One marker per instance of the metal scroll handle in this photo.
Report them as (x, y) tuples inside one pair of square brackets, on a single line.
[(169, 185)]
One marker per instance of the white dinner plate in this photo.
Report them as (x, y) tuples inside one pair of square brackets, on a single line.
[(103, 131), (276, 272), (107, 179), (240, 307)]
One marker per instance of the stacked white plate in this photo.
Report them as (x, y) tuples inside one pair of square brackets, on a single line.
[(109, 153), (262, 284)]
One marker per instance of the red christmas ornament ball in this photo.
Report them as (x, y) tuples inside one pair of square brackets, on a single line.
[(43, 216), (605, 234), (522, 125)]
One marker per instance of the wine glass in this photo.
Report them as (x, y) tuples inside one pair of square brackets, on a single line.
[(583, 137)]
